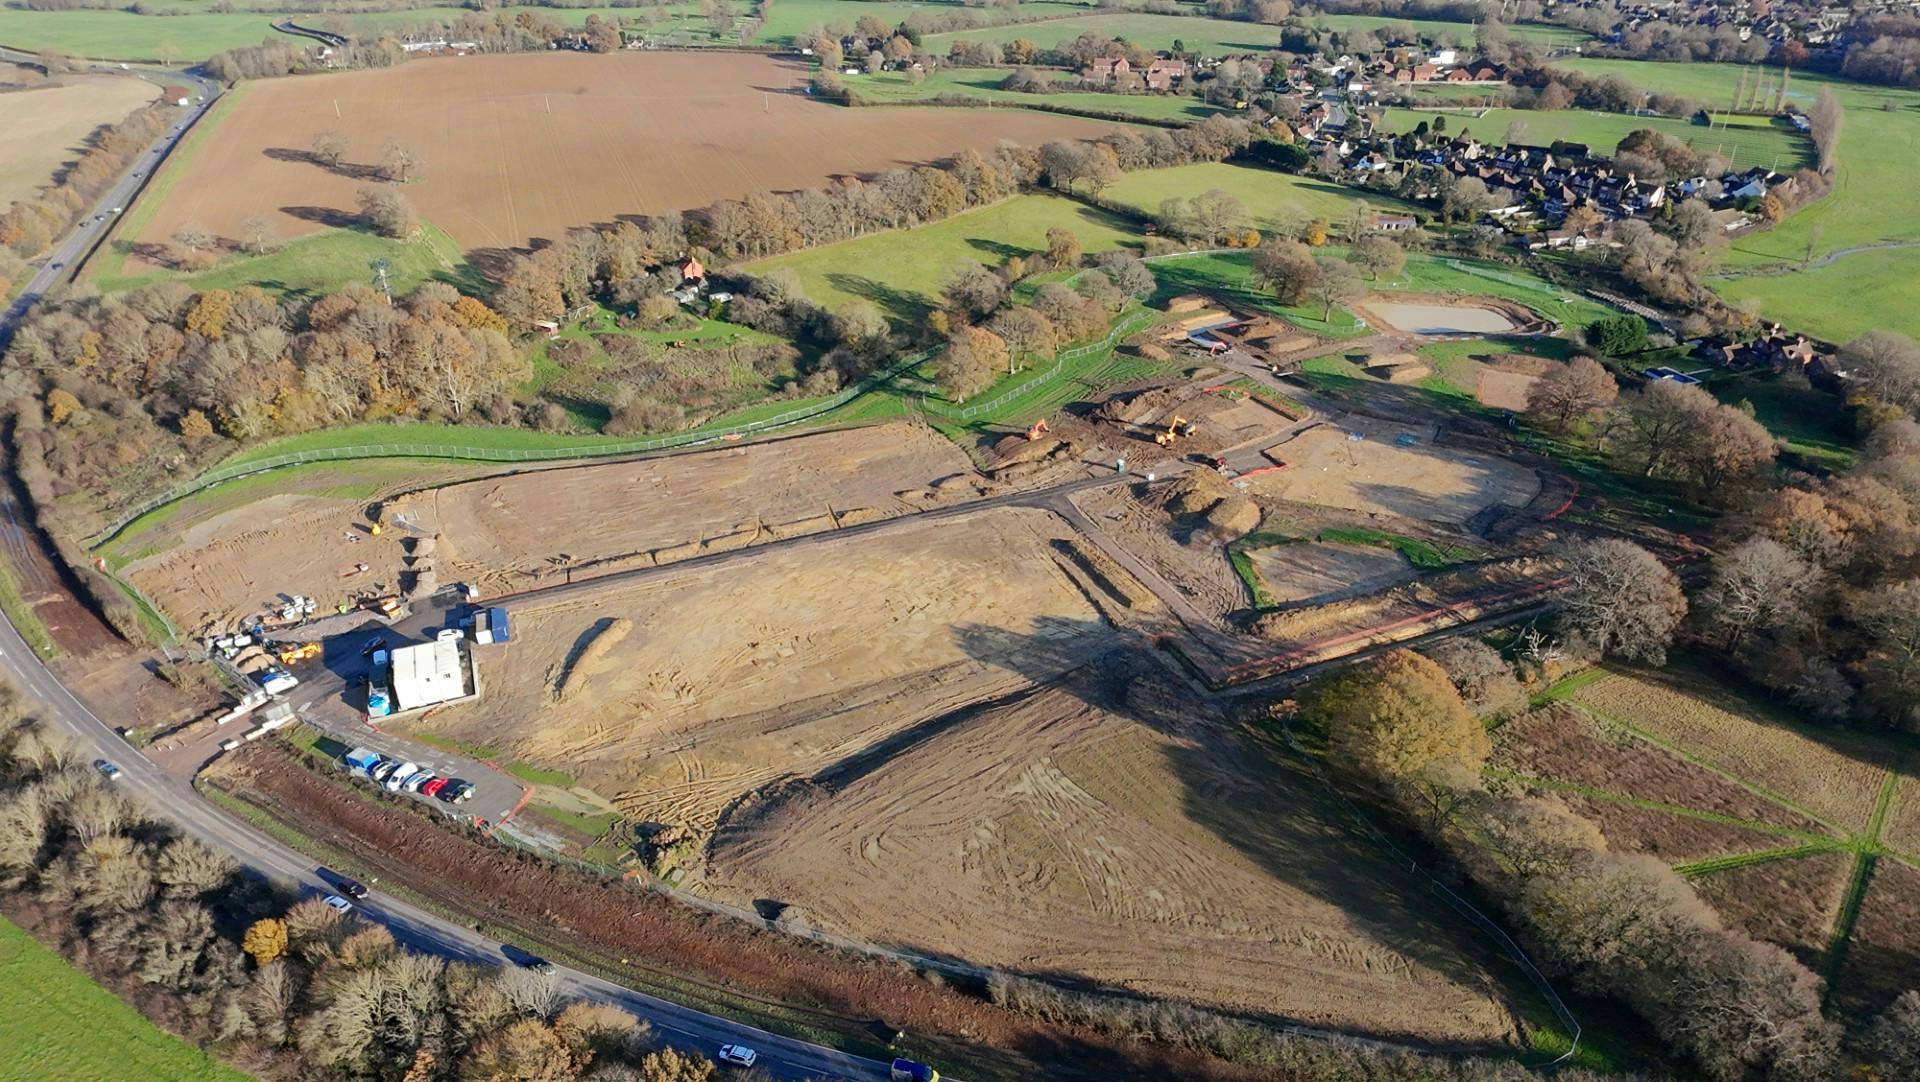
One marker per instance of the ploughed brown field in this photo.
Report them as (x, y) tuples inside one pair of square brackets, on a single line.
[(515, 148)]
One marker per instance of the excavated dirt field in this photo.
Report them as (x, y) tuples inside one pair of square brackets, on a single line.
[(513, 532), (1185, 553), (1379, 476), (515, 148), (1106, 828), (735, 675), (516, 532), (1311, 572)]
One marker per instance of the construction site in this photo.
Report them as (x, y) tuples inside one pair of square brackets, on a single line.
[(818, 672)]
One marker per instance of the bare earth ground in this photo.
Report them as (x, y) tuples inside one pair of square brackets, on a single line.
[(1104, 828), (736, 675), (1504, 390), (1414, 318), (1310, 572), (1195, 563), (42, 129), (1378, 476), (523, 147), (510, 531)]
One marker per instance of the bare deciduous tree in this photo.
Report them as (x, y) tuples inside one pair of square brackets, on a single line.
[(1621, 600), (398, 162), (330, 148), (1581, 386)]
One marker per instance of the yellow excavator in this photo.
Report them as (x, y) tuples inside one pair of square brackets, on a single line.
[(1178, 427), (298, 652)]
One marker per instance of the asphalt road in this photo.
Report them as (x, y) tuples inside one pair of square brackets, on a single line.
[(59, 265)]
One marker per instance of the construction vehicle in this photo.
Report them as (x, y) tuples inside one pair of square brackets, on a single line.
[(1178, 427), (1039, 429), (385, 606), (294, 653)]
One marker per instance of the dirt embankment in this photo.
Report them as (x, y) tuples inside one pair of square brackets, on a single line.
[(684, 947)]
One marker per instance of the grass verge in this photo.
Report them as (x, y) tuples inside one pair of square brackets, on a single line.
[(20, 614)]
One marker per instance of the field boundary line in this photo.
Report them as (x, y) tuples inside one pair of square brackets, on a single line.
[(1460, 905), (1683, 811), (1870, 851), (1735, 861), (1757, 790)]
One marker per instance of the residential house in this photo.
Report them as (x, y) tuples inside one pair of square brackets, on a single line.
[(1165, 74), (1106, 69)]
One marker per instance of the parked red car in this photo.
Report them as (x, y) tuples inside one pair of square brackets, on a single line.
[(433, 787)]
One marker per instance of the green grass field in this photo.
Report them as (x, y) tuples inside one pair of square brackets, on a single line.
[(183, 38), (1874, 201), (903, 272), (1746, 142), (1228, 276), (1278, 202), (56, 1023), (323, 262), (788, 19), (984, 84), (1202, 35), (1459, 33), (1215, 36)]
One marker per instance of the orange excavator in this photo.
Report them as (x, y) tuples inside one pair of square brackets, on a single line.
[(1039, 429)]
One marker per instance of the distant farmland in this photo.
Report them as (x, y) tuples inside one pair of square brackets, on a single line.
[(516, 148)]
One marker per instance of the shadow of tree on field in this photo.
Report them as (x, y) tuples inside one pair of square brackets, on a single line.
[(492, 263), (350, 170), (900, 306), (998, 249), (332, 217)]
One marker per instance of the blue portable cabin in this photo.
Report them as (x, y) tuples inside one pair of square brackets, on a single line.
[(361, 760)]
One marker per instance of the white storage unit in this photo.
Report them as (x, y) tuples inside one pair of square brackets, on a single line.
[(427, 673)]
